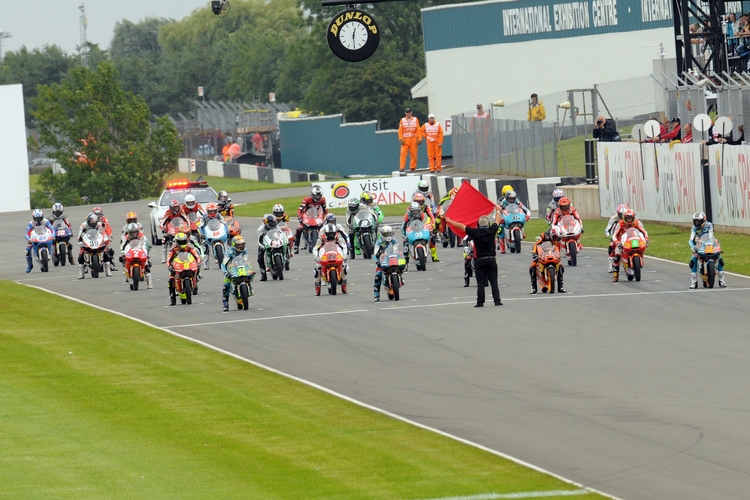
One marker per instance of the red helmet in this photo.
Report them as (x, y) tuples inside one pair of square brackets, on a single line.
[(98, 212), (212, 210), (174, 207), (419, 198), (555, 233), (131, 217), (564, 204), (621, 209), (629, 217)]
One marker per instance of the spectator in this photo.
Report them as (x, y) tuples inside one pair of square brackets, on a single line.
[(674, 134), (739, 140), (480, 123), (606, 130), (536, 109), (688, 137)]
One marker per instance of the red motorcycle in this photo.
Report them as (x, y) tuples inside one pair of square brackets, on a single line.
[(185, 282), (136, 259), (571, 239), (547, 265), (332, 267), (633, 247), (311, 221), (173, 228)]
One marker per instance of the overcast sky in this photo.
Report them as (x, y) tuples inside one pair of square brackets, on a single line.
[(36, 23)]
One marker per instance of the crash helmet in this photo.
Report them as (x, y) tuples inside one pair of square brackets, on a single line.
[(38, 216), (174, 207), (621, 209), (557, 194), (182, 240), (238, 243), (510, 196), (278, 210), (92, 220), (269, 221), (423, 186), (555, 233), (699, 218), (415, 210), (98, 212), (190, 201), (212, 210), (223, 197), (629, 217), (506, 188), (57, 209), (234, 231), (331, 219), (131, 217), (366, 198), (386, 231), (564, 204), (353, 205), (418, 198), (330, 231), (317, 193), (133, 230), (453, 192)]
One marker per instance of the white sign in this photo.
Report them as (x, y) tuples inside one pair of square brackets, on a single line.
[(448, 126), (657, 181), (192, 165), (14, 190), (200, 91), (387, 190), (729, 170), (272, 97)]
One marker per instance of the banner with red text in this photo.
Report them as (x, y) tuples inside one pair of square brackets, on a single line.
[(729, 171), (657, 181)]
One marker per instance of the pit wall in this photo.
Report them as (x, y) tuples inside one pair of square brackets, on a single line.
[(243, 171)]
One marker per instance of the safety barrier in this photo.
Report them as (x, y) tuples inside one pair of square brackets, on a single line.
[(243, 171)]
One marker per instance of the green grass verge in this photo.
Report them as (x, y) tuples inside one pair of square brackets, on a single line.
[(665, 241), (231, 185), (125, 410)]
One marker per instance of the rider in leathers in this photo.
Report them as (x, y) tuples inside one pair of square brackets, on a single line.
[(269, 222), (105, 223), (552, 234), (386, 238), (417, 212), (700, 227), (330, 233), (37, 219), (91, 223), (621, 209), (134, 233), (237, 248), (182, 243), (57, 214), (315, 199), (628, 221)]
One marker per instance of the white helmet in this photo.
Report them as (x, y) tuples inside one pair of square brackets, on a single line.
[(190, 201), (423, 186), (330, 231), (386, 231), (415, 209)]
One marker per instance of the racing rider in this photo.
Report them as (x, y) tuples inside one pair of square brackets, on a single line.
[(173, 212), (424, 188), (226, 208), (351, 211), (315, 199), (564, 208), (700, 227), (386, 238), (628, 221), (553, 234), (269, 222), (417, 212), (57, 214), (238, 247), (134, 233), (130, 218), (105, 223), (91, 224), (181, 244), (621, 209), (37, 219), (330, 233), (557, 194)]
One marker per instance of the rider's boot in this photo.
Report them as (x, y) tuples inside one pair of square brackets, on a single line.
[(163, 254), (172, 294), (560, 287), (29, 262), (108, 269), (466, 280), (80, 271), (433, 251), (149, 281), (376, 290), (532, 274), (224, 305), (722, 283), (317, 288), (343, 287), (502, 245), (616, 274), (263, 276), (55, 262), (611, 265), (70, 253), (693, 281)]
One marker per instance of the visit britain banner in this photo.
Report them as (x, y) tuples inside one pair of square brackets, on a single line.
[(386, 190), (729, 174)]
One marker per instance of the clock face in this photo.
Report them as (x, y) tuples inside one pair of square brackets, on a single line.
[(353, 35)]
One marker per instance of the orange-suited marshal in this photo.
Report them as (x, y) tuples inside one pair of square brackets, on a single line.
[(411, 138), (433, 132)]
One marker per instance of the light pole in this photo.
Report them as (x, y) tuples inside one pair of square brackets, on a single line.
[(3, 34)]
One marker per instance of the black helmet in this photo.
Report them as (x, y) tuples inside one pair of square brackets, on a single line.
[(270, 221), (91, 220)]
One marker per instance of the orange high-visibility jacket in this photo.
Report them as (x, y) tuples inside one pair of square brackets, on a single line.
[(433, 133), (409, 130)]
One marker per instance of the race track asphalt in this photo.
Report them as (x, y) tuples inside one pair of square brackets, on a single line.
[(634, 389)]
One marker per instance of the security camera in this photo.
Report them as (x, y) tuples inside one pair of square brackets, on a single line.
[(220, 7)]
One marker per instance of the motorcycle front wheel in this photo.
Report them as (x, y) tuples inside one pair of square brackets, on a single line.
[(187, 287), (312, 239), (637, 267), (135, 278), (421, 258), (710, 273), (333, 281), (395, 283), (366, 246), (517, 239), (44, 259), (572, 250), (551, 275), (62, 253), (244, 296), (219, 251), (94, 265), (278, 266)]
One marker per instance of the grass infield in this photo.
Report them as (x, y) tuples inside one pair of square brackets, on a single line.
[(96, 405)]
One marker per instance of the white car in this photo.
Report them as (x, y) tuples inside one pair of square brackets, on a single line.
[(176, 190)]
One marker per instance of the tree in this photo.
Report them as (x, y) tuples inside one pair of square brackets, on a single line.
[(101, 135)]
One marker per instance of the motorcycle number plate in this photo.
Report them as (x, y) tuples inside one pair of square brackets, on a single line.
[(241, 271), (401, 262), (709, 248), (636, 244)]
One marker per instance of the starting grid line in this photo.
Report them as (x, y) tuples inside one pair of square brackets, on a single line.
[(443, 304), (520, 494)]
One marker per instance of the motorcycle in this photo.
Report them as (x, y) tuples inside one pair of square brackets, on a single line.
[(216, 237), (469, 264), (172, 229), (41, 240), (311, 222), (241, 280), (392, 263), (365, 230), (94, 244), (571, 237), (284, 227), (514, 221), (418, 235), (332, 266), (447, 236), (633, 247), (185, 278), (547, 265), (197, 224), (233, 228), (276, 247), (708, 250), (62, 240), (136, 260)]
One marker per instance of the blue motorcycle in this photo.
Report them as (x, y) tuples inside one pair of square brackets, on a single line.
[(241, 280), (62, 241), (514, 219), (216, 239), (418, 235), (42, 239), (708, 250), (392, 263)]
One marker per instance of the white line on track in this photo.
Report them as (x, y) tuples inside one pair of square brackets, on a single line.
[(392, 307), (336, 394), (520, 494)]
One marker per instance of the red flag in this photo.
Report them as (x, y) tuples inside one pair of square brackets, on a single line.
[(468, 206)]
